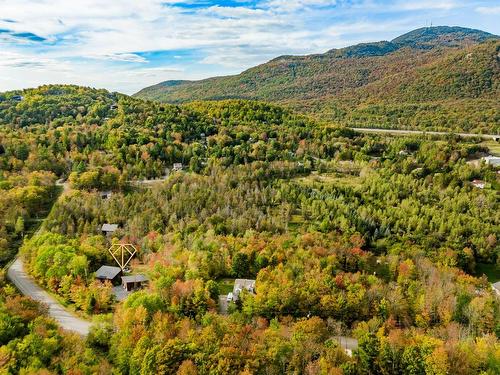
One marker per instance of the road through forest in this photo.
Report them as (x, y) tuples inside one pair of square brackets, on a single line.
[(18, 276)]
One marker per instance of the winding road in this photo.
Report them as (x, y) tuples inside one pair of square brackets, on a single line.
[(28, 287)]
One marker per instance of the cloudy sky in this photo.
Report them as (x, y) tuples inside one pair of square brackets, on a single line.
[(125, 45)]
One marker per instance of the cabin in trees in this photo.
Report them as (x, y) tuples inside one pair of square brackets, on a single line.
[(134, 282), (480, 184), (177, 167), (108, 273), (18, 98), (109, 229), (239, 286), (492, 160), (106, 194)]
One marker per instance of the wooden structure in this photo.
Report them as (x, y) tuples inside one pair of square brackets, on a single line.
[(133, 282), (122, 253)]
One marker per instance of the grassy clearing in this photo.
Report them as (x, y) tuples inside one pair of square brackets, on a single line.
[(225, 286), (339, 179), (493, 146), (491, 271)]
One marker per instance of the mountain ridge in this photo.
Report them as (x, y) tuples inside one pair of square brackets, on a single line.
[(354, 76)]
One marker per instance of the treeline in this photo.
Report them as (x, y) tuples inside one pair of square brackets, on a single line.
[(24, 198), (32, 343)]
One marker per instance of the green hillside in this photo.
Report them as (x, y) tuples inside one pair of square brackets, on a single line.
[(441, 76)]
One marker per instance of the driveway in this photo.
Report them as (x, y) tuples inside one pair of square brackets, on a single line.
[(27, 286)]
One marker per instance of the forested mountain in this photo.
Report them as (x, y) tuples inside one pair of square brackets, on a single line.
[(442, 78)]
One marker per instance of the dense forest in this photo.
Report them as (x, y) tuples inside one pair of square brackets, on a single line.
[(381, 239), (438, 78)]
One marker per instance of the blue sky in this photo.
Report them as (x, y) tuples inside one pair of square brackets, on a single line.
[(125, 45)]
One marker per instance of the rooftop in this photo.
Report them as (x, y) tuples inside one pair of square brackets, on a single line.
[(134, 279), (109, 227), (107, 272)]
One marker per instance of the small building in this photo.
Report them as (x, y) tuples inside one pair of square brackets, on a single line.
[(496, 287), (108, 273), (114, 106), (109, 229), (492, 160), (106, 194), (240, 285), (133, 282), (177, 167), (18, 98), (480, 184)]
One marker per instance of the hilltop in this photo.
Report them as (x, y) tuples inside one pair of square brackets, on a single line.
[(442, 78)]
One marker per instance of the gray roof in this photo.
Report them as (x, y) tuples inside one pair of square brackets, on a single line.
[(496, 286), (240, 284), (492, 160), (107, 272), (109, 227), (134, 279)]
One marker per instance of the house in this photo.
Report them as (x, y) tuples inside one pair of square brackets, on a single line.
[(177, 167), (18, 98), (480, 184), (109, 229), (240, 285), (108, 273), (106, 194), (496, 287), (133, 282), (492, 160)]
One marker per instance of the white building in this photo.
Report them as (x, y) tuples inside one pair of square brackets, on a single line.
[(492, 160), (240, 285)]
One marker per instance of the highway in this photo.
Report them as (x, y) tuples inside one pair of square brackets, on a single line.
[(420, 132)]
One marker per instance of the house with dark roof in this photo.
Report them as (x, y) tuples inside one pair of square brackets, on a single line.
[(106, 194), (133, 282), (108, 273)]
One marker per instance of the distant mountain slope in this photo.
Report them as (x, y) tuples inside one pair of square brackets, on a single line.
[(438, 66)]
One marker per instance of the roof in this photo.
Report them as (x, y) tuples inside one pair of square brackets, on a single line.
[(134, 279), (240, 284), (109, 227), (107, 272), (492, 160), (496, 286)]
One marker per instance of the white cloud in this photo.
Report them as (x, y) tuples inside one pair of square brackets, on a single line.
[(427, 4), (125, 57), (488, 10), (92, 41)]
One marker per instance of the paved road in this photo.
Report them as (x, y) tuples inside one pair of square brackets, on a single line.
[(27, 286), (395, 131)]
